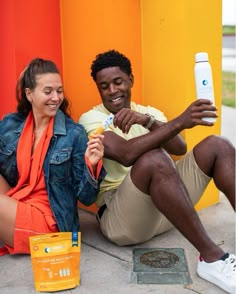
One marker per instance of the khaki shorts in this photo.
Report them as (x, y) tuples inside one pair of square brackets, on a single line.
[(132, 218)]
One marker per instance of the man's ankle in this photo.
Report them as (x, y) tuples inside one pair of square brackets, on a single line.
[(212, 257)]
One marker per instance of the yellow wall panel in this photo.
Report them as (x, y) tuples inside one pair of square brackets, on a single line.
[(172, 32)]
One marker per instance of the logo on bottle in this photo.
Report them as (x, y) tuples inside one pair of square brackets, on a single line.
[(205, 82)]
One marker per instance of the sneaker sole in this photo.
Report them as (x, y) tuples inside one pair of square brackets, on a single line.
[(215, 282)]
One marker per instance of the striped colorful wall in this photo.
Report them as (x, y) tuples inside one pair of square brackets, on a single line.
[(159, 36)]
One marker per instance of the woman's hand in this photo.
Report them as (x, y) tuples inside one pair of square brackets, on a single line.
[(95, 150)]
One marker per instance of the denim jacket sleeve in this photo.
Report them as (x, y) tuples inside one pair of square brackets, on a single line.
[(10, 129)]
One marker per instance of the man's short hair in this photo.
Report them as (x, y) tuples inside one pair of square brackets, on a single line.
[(110, 58)]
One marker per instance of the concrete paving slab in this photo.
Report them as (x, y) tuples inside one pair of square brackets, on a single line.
[(162, 266)]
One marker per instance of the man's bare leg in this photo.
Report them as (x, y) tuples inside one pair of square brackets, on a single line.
[(216, 158), (170, 196)]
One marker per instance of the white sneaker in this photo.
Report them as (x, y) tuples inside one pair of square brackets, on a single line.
[(221, 273)]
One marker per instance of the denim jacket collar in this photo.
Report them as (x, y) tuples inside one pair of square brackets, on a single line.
[(59, 123), (20, 128)]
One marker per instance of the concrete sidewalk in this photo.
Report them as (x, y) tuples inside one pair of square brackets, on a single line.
[(106, 268), (229, 59)]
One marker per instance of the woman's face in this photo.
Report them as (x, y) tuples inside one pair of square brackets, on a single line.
[(47, 96)]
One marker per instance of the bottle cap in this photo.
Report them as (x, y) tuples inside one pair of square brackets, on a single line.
[(201, 56)]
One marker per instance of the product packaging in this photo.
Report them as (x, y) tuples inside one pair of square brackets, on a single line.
[(56, 261), (105, 124)]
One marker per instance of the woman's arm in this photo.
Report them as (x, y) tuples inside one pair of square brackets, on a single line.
[(85, 184)]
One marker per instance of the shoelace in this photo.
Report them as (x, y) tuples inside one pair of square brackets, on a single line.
[(230, 265)]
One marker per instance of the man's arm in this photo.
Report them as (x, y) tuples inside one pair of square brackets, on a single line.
[(175, 145), (127, 152), (165, 135)]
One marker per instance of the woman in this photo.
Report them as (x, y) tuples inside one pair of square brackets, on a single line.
[(46, 161)]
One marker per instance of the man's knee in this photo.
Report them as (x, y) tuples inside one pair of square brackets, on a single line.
[(155, 159), (214, 144), (154, 165)]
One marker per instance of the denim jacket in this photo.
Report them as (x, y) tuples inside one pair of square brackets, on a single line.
[(67, 177)]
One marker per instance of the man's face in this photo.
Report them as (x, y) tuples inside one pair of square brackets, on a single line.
[(114, 87)]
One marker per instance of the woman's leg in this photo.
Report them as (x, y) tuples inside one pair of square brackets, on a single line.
[(8, 208), (4, 186)]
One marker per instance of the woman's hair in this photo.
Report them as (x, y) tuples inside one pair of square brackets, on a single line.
[(27, 79), (109, 59)]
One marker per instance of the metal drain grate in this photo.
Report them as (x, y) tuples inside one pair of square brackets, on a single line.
[(160, 266)]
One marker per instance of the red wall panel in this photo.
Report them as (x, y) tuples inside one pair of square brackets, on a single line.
[(28, 29)]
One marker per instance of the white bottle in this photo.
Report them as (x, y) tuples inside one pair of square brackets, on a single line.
[(203, 80)]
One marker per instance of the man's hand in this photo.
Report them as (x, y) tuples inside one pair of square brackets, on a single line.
[(193, 115), (126, 117)]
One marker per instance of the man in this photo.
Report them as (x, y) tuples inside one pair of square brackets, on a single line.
[(145, 193)]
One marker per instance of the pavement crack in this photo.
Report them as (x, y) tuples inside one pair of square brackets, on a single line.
[(191, 289), (107, 253)]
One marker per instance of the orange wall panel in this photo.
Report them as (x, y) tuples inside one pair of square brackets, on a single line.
[(91, 27)]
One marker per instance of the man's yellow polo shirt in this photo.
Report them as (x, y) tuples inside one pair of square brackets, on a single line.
[(116, 172)]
